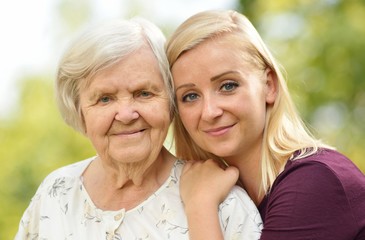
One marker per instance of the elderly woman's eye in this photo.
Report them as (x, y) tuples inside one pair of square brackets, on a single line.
[(104, 99), (145, 94)]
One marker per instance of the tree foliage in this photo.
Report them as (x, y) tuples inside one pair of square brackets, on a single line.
[(34, 142)]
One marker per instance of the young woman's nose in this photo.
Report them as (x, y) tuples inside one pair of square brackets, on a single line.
[(211, 109), (126, 111)]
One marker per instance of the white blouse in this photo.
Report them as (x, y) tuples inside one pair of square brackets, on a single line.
[(62, 209)]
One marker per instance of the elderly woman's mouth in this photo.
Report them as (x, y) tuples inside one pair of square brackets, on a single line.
[(134, 132)]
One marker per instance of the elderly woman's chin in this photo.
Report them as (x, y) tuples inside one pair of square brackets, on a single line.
[(132, 148), (131, 155)]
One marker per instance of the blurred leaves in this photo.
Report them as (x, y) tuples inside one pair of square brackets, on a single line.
[(34, 143)]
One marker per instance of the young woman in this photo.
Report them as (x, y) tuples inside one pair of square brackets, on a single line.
[(234, 106)]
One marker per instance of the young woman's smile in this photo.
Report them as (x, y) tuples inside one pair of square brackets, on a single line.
[(219, 131)]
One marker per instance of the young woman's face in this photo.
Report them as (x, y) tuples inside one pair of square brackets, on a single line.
[(126, 109), (222, 98)]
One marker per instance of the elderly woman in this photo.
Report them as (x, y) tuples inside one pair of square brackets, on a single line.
[(113, 86)]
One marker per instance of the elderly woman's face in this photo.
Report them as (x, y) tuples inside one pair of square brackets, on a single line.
[(126, 109)]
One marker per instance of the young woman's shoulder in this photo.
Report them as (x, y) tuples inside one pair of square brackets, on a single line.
[(318, 194), (328, 162), (329, 173)]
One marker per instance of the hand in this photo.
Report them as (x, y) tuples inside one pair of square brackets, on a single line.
[(206, 184)]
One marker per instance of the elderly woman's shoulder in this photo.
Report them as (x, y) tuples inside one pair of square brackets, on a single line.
[(66, 174), (72, 170)]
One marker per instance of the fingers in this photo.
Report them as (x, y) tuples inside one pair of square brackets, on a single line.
[(206, 181), (232, 174), (188, 166), (214, 167)]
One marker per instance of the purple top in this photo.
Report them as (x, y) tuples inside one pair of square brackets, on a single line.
[(318, 197)]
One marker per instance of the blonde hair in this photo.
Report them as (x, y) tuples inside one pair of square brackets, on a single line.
[(285, 132), (98, 48)]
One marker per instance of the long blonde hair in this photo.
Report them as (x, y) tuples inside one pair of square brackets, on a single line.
[(285, 132)]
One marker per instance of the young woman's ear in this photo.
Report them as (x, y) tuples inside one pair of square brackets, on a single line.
[(271, 86)]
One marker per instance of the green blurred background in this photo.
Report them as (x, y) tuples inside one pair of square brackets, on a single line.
[(320, 43)]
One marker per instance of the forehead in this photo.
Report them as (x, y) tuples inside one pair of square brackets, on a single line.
[(215, 54), (138, 66)]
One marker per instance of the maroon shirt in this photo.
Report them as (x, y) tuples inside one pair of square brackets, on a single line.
[(318, 197)]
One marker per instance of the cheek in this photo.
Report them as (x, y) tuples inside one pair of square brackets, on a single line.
[(97, 123), (157, 115), (256, 114), (189, 117), (87, 120)]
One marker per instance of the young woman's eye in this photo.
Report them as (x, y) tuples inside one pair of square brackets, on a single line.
[(190, 97), (229, 86)]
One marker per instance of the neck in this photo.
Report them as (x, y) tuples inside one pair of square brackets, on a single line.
[(250, 174), (112, 187), (136, 173)]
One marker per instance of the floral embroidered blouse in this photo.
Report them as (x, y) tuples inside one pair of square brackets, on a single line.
[(62, 209)]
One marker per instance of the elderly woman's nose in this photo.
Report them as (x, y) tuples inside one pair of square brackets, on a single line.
[(126, 111)]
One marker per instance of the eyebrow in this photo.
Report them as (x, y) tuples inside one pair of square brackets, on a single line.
[(185, 85), (223, 74), (94, 95), (212, 79)]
